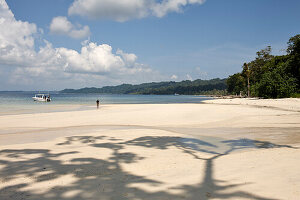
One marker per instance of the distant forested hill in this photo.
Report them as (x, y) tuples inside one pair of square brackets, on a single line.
[(213, 86)]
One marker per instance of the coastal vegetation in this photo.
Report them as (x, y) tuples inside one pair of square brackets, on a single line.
[(270, 76), (204, 87)]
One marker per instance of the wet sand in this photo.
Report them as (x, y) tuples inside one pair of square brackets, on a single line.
[(162, 151), (41, 107)]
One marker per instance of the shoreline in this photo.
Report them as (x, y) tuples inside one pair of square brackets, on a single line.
[(41, 107), (23, 103), (37, 109)]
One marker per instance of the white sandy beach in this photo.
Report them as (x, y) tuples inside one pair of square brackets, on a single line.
[(223, 149)]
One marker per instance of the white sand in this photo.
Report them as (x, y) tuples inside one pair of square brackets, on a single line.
[(292, 104), (173, 151)]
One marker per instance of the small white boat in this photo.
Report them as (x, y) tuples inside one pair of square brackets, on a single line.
[(42, 97)]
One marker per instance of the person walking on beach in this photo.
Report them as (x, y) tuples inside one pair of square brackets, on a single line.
[(97, 102)]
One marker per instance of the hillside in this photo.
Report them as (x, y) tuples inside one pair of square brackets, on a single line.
[(184, 87)]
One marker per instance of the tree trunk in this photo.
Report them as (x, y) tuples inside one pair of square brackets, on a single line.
[(248, 87)]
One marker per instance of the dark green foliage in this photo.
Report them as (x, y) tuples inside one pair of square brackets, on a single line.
[(255, 66), (236, 83), (293, 51), (270, 76), (183, 87), (276, 82), (296, 95), (294, 45)]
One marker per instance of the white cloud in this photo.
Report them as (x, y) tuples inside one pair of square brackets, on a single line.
[(129, 58), (123, 10), (62, 26), (100, 59), (166, 6), (53, 67), (16, 39), (189, 77), (4, 11), (174, 77), (120, 10)]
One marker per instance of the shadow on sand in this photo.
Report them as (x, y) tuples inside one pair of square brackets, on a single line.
[(105, 178)]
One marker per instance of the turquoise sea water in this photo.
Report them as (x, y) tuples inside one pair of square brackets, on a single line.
[(21, 102)]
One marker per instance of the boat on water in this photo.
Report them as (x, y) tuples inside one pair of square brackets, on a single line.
[(42, 97)]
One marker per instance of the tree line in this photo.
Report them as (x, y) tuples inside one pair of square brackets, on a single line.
[(269, 76), (204, 87)]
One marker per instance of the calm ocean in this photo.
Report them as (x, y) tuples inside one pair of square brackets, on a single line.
[(21, 102)]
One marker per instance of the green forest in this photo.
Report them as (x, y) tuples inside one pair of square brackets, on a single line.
[(204, 87), (270, 76)]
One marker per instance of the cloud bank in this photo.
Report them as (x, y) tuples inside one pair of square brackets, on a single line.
[(123, 10), (21, 64), (61, 26), (99, 59)]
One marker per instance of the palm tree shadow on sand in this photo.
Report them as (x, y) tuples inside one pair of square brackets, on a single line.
[(105, 178)]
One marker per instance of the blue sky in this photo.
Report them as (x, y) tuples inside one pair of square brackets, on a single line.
[(109, 43)]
